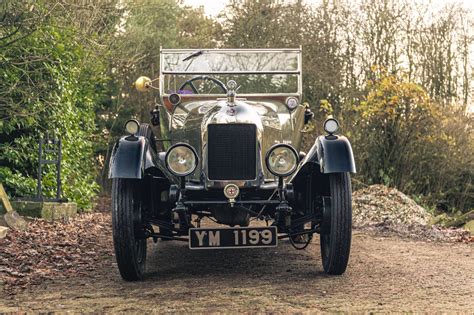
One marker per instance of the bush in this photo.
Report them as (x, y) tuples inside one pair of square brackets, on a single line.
[(401, 138)]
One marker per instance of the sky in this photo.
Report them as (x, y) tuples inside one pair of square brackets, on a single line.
[(213, 7)]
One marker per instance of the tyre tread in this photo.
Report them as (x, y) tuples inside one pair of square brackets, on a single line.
[(341, 225), (123, 231)]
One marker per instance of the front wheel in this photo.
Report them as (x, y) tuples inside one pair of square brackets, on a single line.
[(127, 228), (336, 238)]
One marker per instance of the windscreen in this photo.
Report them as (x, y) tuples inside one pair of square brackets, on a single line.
[(208, 71)]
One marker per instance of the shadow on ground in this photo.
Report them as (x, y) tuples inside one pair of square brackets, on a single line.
[(384, 274), (172, 260)]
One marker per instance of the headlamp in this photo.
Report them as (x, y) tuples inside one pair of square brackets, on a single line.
[(132, 126), (331, 125), (181, 159), (281, 160), (292, 102)]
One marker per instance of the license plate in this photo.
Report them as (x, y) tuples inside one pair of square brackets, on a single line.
[(242, 237)]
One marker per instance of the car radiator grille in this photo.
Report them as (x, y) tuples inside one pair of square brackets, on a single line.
[(232, 151)]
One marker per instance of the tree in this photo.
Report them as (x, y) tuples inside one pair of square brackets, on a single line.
[(145, 27), (51, 83)]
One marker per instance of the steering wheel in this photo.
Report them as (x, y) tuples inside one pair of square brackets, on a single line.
[(203, 77)]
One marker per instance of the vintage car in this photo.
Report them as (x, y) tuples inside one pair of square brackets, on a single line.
[(231, 124)]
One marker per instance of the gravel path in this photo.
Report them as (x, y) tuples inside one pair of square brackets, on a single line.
[(384, 274)]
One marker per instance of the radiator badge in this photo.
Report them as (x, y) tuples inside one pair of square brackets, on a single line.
[(231, 191)]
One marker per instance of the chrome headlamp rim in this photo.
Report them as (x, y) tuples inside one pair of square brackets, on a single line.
[(196, 159), (269, 152), (127, 129)]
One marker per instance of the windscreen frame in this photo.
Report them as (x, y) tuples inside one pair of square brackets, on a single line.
[(297, 72)]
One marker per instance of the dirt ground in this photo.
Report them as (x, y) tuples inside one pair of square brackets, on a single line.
[(384, 274)]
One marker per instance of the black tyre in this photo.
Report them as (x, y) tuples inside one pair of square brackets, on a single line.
[(127, 228), (336, 238)]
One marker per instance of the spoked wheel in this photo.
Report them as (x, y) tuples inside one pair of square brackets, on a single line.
[(127, 228), (337, 225)]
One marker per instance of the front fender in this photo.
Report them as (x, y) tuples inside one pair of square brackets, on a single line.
[(132, 157), (333, 154)]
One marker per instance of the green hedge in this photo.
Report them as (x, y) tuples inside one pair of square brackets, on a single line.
[(49, 84)]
